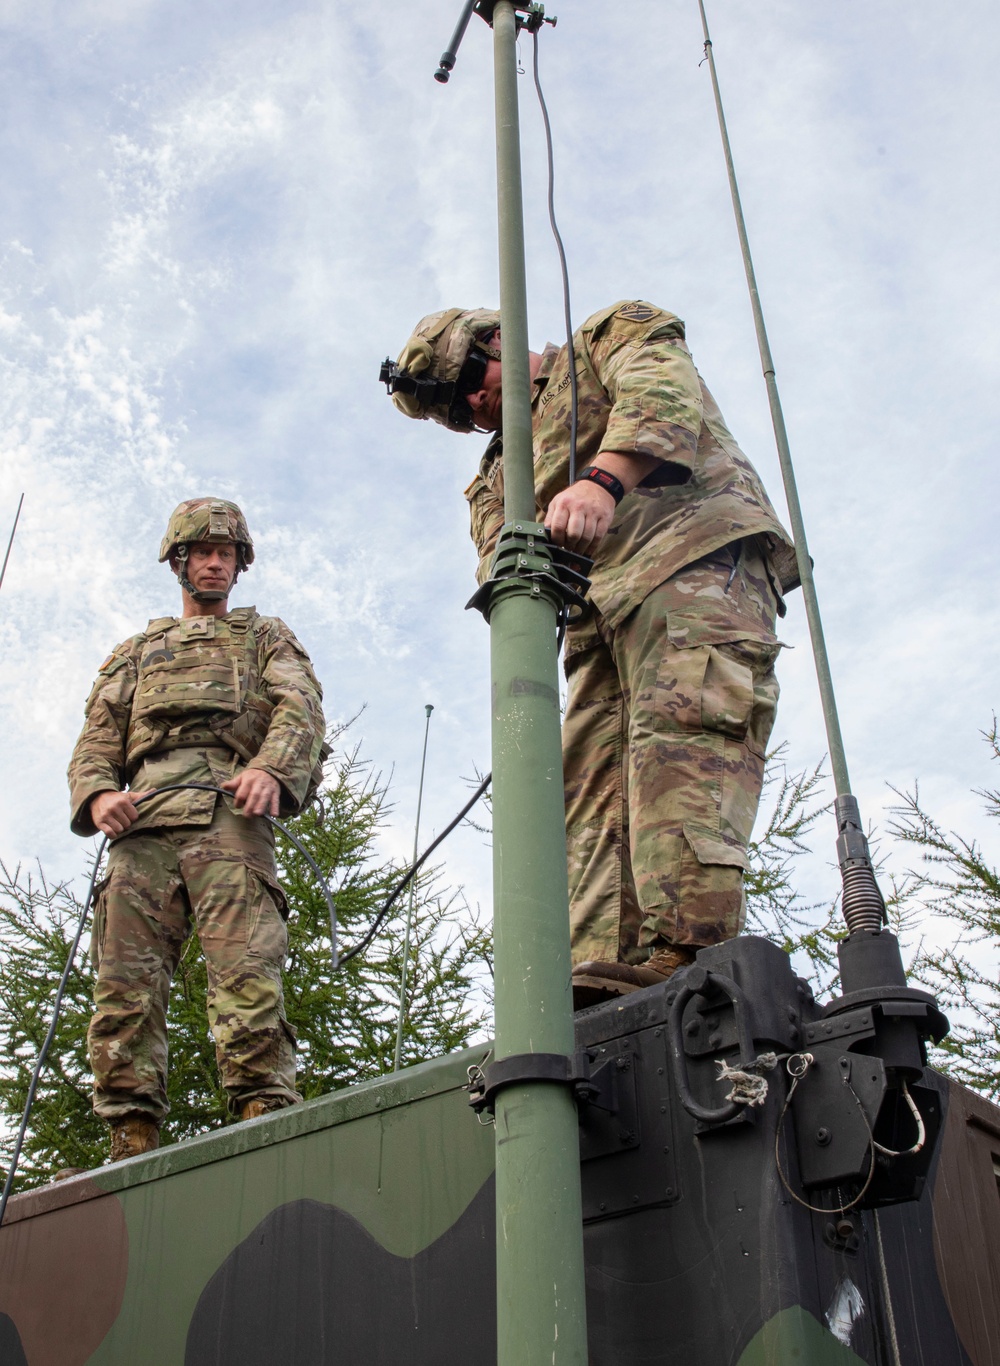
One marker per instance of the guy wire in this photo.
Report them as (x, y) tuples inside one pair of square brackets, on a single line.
[(838, 756), (10, 542), (412, 871), (331, 906), (573, 406), (886, 1292)]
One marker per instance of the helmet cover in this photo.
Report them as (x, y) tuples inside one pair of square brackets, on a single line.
[(208, 520), (438, 349)]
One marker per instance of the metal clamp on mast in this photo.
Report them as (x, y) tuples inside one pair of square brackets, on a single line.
[(590, 1085), (525, 552)]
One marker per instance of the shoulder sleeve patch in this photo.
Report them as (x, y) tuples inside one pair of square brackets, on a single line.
[(112, 664), (637, 312)]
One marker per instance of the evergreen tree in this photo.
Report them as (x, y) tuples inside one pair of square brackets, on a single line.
[(953, 883), (345, 1021), (955, 880)]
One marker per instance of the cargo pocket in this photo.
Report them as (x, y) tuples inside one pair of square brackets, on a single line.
[(741, 692), (99, 923), (713, 850), (726, 682), (678, 692), (727, 693), (712, 900), (267, 933)]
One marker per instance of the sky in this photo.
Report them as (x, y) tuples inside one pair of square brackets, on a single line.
[(218, 218)]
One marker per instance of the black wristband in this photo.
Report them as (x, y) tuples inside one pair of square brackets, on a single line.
[(607, 481)]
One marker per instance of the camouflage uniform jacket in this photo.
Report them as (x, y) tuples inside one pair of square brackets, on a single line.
[(185, 701), (639, 394)]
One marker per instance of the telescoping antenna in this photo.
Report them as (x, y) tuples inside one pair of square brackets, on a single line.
[(871, 966), (862, 904), (532, 1086)]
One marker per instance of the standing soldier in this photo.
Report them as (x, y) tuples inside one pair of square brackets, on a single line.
[(226, 698), (672, 692)]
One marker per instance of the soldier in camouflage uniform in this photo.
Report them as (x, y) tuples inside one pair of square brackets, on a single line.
[(226, 698), (672, 691)]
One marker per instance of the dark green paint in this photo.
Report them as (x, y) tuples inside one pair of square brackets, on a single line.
[(375, 1151)]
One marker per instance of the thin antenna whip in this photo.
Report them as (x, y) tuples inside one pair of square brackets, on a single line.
[(862, 903), (409, 910), (17, 514), (838, 756)]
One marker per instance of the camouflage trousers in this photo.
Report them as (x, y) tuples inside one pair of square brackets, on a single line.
[(219, 880), (664, 736)]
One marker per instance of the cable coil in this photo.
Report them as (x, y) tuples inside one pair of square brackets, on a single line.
[(861, 903)]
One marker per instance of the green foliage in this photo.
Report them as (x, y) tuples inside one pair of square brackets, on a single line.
[(955, 881), (791, 804), (38, 921), (345, 1021), (953, 893)]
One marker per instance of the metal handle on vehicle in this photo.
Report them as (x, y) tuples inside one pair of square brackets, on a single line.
[(697, 982)]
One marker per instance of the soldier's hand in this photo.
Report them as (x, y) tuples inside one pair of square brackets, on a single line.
[(114, 812), (578, 517), (255, 792)]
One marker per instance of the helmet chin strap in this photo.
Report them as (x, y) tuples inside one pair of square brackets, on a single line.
[(202, 594)]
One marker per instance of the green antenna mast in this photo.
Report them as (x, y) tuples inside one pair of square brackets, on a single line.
[(541, 1312)]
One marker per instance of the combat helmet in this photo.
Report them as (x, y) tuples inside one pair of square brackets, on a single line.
[(443, 361), (206, 519)]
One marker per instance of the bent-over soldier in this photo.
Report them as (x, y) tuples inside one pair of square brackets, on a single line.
[(672, 691), (225, 698)]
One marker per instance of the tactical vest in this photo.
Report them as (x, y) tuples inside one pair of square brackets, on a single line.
[(198, 684)]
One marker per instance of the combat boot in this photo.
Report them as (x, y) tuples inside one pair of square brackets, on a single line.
[(253, 1109), (132, 1135), (596, 982)]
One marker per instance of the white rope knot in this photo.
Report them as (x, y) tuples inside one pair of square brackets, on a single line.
[(748, 1087)]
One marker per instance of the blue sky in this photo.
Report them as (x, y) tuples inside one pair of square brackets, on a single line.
[(218, 218)]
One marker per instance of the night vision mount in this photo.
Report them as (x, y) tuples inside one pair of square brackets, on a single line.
[(426, 391), (531, 17)]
